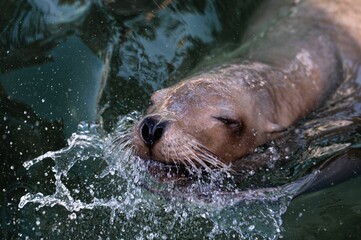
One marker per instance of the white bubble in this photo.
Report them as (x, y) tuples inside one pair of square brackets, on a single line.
[(72, 216)]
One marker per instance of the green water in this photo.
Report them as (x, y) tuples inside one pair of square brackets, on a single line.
[(63, 66)]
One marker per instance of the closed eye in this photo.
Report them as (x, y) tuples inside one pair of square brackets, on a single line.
[(229, 122)]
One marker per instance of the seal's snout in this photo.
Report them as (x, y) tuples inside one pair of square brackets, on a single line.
[(151, 130)]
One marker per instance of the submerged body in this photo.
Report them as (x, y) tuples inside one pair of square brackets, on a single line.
[(222, 113)]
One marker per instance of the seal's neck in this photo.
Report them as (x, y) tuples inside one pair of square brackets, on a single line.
[(299, 86)]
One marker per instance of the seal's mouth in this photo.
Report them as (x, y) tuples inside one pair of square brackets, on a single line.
[(166, 173)]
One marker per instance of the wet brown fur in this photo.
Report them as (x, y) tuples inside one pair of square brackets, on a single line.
[(222, 113)]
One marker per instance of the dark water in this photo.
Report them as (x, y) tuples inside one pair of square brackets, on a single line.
[(74, 77)]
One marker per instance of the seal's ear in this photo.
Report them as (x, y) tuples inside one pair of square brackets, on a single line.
[(274, 128)]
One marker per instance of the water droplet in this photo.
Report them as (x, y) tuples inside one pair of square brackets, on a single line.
[(72, 216)]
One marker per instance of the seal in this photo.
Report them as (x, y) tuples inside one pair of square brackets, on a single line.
[(217, 116)]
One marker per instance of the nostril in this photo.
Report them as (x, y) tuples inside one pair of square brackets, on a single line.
[(158, 132), (151, 130), (145, 130)]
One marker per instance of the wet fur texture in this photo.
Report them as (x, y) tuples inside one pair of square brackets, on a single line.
[(222, 113)]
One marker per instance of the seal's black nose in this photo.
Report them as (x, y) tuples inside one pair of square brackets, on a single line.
[(151, 130)]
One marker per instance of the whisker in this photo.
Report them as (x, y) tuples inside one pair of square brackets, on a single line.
[(196, 158), (194, 168), (210, 157), (120, 141), (168, 153), (184, 160), (176, 155)]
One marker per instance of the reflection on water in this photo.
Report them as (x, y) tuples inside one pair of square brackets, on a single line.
[(71, 79), (63, 62)]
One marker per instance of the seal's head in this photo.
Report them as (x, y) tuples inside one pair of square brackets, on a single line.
[(201, 122)]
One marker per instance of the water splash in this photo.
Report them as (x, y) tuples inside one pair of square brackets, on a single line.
[(117, 184)]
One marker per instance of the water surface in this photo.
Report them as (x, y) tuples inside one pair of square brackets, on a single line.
[(74, 78)]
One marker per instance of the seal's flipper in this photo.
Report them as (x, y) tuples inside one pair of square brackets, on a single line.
[(337, 169)]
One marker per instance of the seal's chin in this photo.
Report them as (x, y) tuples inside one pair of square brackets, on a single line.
[(168, 173)]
